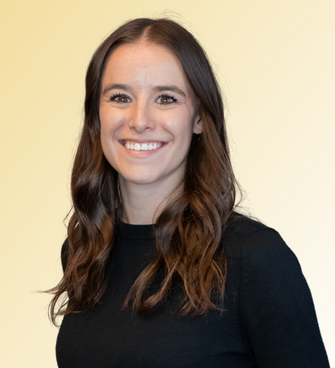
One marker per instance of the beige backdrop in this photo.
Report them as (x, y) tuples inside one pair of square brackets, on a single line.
[(275, 61)]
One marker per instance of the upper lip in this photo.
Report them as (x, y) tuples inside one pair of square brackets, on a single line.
[(140, 140)]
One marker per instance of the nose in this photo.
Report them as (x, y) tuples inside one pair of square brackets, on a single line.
[(141, 118)]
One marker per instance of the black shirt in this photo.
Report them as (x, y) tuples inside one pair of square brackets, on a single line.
[(269, 321)]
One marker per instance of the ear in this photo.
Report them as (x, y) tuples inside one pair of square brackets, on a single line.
[(197, 129)]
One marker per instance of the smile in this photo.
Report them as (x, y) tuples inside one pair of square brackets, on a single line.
[(149, 146)]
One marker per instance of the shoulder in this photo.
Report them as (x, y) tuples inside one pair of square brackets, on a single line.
[(276, 309), (267, 271), (260, 258), (243, 227), (255, 242)]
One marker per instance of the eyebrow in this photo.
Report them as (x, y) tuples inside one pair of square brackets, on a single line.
[(126, 87), (111, 86), (171, 88)]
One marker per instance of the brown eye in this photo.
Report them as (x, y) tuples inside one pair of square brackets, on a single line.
[(166, 100), (123, 99), (120, 98)]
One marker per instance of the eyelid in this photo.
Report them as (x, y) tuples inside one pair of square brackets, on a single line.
[(169, 96), (122, 95)]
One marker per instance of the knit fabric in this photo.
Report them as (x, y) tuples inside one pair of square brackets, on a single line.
[(269, 319)]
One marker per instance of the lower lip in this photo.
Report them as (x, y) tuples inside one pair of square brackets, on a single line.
[(143, 154)]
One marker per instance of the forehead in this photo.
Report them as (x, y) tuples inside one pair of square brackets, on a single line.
[(144, 64)]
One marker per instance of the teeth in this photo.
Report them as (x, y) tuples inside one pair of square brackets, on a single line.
[(143, 146)]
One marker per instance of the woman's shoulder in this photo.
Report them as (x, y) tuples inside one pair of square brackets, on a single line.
[(243, 226), (275, 304), (255, 242)]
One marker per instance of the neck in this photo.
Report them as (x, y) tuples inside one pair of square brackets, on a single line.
[(142, 203)]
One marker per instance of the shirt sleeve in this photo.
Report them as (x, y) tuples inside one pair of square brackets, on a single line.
[(276, 308)]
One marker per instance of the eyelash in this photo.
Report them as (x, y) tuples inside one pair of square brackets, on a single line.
[(123, 95), (168, 97)]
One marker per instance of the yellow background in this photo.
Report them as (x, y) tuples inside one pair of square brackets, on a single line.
[(275, 62)]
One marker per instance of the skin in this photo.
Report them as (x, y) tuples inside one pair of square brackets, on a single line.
[(146, 98)]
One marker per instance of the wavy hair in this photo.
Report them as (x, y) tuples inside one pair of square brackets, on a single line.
[(188, 230)]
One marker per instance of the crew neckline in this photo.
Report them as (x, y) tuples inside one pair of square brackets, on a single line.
[(131, 231)]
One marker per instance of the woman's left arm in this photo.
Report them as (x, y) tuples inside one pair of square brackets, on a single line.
[(277, 310)]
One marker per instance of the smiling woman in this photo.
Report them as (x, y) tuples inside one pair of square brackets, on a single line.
[(159, 268), (148, 116)]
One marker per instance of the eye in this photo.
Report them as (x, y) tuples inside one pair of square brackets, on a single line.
[(120, 98), (166, 99)]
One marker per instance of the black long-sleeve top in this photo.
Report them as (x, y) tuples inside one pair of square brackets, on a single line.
[(269, 319)]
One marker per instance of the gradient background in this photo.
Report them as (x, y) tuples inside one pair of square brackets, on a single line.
[(275, 62)]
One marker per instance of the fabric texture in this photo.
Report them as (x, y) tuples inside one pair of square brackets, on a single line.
[(269, 319)]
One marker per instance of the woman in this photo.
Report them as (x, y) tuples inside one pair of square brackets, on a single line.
[(158, 268)]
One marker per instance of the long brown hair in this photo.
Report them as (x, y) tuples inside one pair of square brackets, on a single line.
[(189, 229)]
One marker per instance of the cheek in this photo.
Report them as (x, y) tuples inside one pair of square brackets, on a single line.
[(182, 127), (178, 120), (104, 140), (110, 123), (107, 149), (107, 133)]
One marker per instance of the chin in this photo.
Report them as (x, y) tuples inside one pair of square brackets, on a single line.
[(140, 178), (161, 176)]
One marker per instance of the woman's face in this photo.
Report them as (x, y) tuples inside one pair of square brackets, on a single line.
[(147, 114)]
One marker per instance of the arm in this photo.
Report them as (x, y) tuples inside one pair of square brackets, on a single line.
[(277, 311)]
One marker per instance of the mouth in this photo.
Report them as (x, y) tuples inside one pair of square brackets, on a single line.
[(142, 146)]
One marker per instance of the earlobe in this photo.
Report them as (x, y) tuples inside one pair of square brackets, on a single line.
[(197, 126)]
